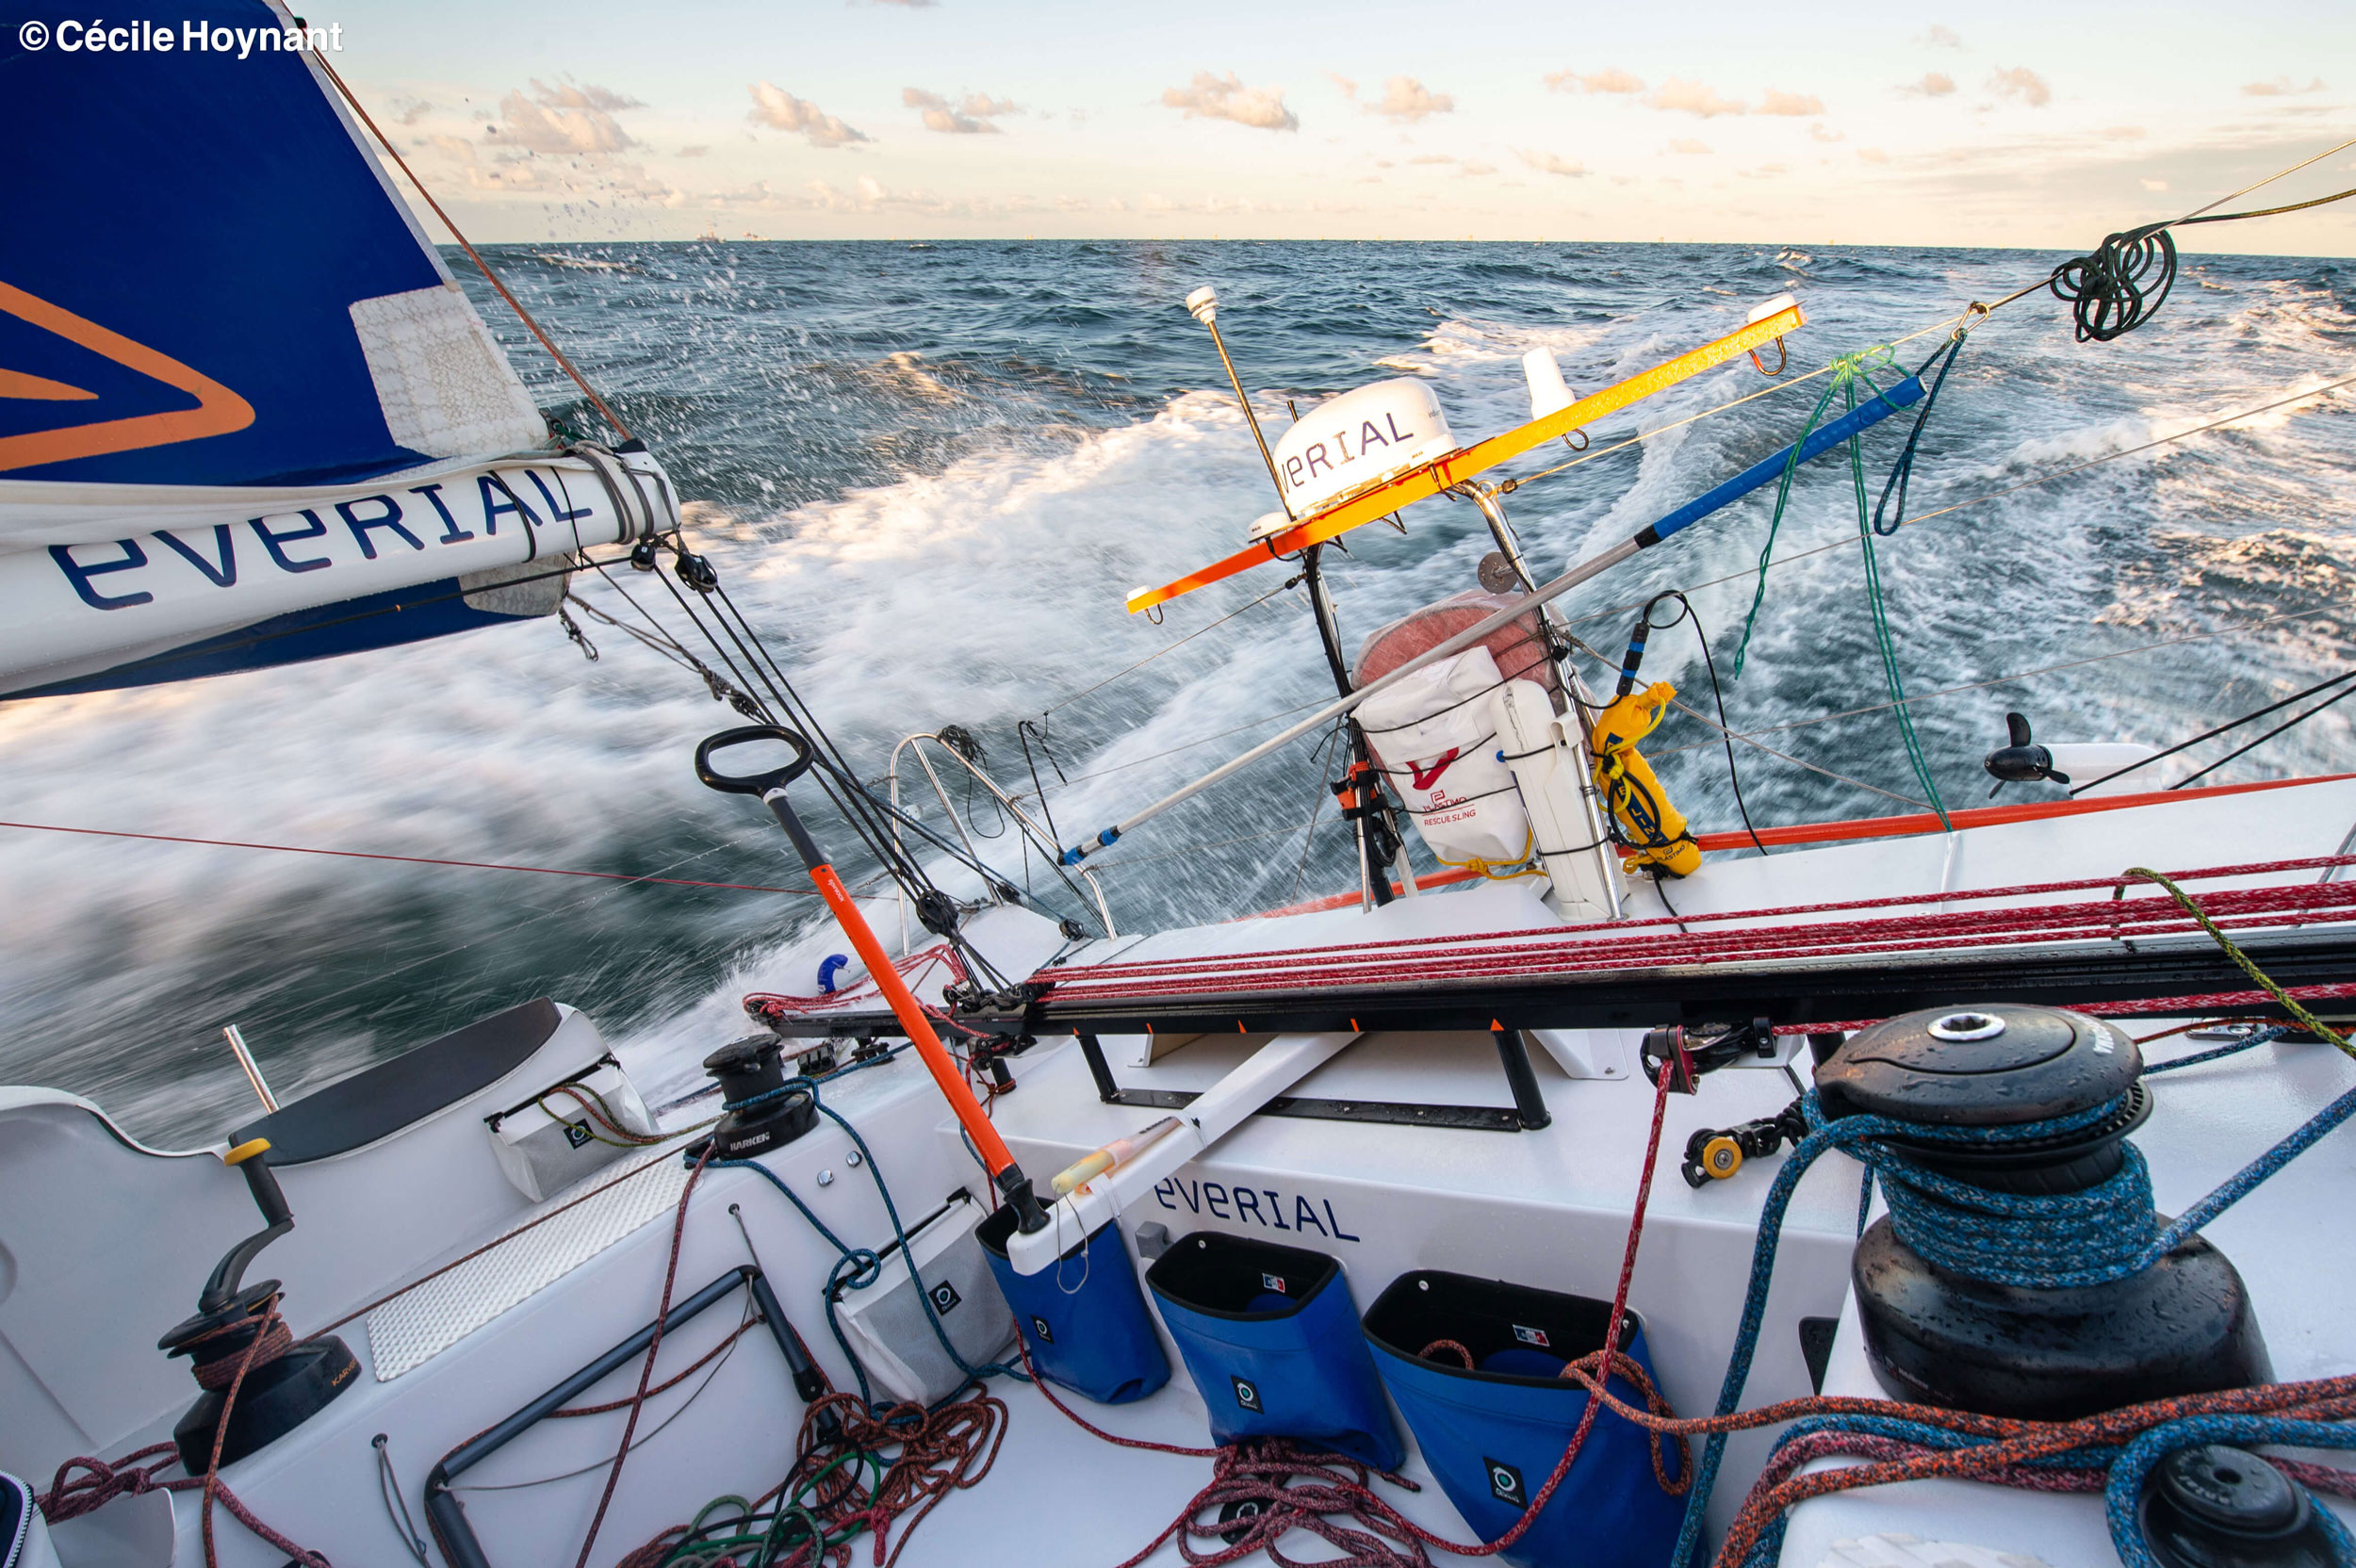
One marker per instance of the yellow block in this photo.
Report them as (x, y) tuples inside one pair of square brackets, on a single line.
[(1460, 465), (246, 1150)]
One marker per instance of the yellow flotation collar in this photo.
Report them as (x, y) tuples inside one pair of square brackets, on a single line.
[(1653, 831)]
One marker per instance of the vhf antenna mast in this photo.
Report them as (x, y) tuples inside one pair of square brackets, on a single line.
[(1374, 880), (1204, 304)]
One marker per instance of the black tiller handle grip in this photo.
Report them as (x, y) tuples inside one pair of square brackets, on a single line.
[(751, 784)]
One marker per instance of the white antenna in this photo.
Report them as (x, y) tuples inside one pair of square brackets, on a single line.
[(252, 1072), (1204, 305), (1548, 392)]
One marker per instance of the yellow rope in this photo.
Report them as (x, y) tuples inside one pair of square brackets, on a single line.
[(2307, 1020)]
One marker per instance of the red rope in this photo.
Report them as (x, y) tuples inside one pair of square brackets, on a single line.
[(776, 1004), (404, 860), (1291, 1487), (70, 1496), (2006, 1463), (645, 1369), (1521, 954), (1022, 1344), (948, 1448)]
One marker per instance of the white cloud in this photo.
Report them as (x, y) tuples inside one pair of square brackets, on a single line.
[(1766, 172), (408, 111), (1818, 133), (1940, 37), (1551, 163), (1687, 144), (2280, 87), (1872, 154), (780, 110), (1211, 97), (2021, 83), (1609, 79), (1690, 98), (969, 118), (563, 120), (1935, 83), (1477, 170), (1431, 157), (1405, 100), (1798, 105), (2124, 133), (696, 152), (1347, 87)]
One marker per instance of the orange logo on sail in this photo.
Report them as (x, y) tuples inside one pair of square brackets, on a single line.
[(218, 411)]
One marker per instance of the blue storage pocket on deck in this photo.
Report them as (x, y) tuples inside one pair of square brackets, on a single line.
[(1492, 1433), (1271, 1336), (1084, 1321)]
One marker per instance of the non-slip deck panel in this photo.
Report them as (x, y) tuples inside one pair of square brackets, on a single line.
[(383, 1100), (419, 1324)]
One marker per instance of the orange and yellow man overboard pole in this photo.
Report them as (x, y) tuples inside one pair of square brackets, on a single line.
[(1013, 1187), (1458, 467)]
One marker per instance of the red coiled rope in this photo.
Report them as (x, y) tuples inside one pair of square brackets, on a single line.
[(70, 1496)]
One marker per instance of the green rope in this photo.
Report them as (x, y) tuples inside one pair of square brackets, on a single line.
[(1886, 644), (1847, 370), (774, 1535), (2306, 1019)]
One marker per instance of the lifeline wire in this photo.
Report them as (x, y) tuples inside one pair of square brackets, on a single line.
[(2292, 722), (2002, 679), (405, 860)]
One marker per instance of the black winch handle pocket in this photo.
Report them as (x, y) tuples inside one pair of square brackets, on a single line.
[(751, 784)]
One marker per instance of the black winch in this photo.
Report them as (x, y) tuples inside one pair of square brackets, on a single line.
[(2214, 1507), (1949, 1335), (763, 1114), (286, 1383)]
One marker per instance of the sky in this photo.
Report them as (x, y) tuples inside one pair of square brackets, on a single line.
[(1997, 124)]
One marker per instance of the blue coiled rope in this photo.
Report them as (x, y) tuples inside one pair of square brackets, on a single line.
[(1936, 1223), (857, 1267)]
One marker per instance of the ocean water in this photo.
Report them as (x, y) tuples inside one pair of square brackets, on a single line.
[(929, 473)]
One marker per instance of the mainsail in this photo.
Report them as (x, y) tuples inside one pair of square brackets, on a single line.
[(246, 416)]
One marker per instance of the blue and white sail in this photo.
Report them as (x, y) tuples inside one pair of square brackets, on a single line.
[(246, 417)]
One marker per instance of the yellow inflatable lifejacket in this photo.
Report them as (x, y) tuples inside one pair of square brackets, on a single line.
[(1653, 831)]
